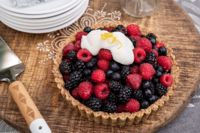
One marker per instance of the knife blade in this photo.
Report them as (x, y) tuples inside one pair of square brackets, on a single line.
[(10, 67)]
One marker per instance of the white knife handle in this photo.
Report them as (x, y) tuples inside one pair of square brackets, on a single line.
[(28, 108)]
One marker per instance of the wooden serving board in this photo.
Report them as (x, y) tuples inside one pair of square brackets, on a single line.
[(172, 26)]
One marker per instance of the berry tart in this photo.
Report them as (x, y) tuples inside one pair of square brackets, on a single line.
[(115, 74)]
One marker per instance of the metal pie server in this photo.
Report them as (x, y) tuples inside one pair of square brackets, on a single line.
[(10, 67)]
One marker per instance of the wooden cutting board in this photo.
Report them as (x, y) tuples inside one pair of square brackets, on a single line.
[(170, 23)]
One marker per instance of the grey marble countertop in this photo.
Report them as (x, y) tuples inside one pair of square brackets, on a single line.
[(189, 120)]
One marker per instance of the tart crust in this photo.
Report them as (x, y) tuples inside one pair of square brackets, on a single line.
[(114, 119)]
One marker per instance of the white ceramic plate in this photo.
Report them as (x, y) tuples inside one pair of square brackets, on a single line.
[(49, 29), (14, 14), (43, 20), (32, 26), (43, 8)]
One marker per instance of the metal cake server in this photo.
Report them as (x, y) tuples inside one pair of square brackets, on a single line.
[(10, 67)]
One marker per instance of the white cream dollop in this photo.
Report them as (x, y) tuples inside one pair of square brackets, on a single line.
[(120, 46)]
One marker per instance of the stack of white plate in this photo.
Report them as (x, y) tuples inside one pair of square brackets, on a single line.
[(42, 18)]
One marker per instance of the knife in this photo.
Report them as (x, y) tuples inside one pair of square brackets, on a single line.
[(10, 67)]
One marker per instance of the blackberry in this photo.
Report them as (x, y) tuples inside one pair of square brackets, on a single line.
[(92, 63), (155, 80), (125, 71), (152, 38), (112, 98), (137, 94), (70, 85), (151, 58), (161, 90), (79, 65), (75, 76), (144, 104), (109, 107), (94, 103), (133, 41), (71, 55), (87, 29), (65, 67), (124, 94), (162, 51), (115, 86)]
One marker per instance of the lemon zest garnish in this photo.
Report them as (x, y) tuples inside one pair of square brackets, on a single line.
[(107, 36)]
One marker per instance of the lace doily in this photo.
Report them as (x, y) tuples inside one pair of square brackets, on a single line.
[(55, 39)]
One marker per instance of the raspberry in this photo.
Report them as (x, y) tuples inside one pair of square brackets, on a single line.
[(159, 44), (105, 54), (155, 52), (75, 92), (147, 71), (85, 90), (77, 45), (134, 81), (80, 34), (94, 103), (145, 44), (98, 76), (139, 55), (67, 48), (166, 80), (121, 108), (133, 30), (101, 91), (134, 69), (137, 38), (84, 55), (132, 106), (103, 64), (109, 29), (165, 62)]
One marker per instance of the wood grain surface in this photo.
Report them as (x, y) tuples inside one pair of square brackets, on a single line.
[(172, 26)]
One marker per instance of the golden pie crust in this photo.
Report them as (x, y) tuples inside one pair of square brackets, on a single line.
[(114, 119)]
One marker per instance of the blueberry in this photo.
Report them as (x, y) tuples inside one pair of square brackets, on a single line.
[(155, 80), (146, 84), (71, 55), (120, 27), (109, 73), (159, 68), (92, 63), (153, 98), (148, 93), (152, 38), (114, 66), (133, 41), (158, 73), (116, 76), (87, 29), (87, 72), (162, 51), (144, 104)]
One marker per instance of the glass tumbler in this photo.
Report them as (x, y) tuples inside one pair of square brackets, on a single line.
[(139, 8)]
